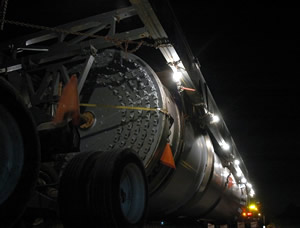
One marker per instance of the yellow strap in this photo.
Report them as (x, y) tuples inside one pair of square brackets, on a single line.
[(124, 107)]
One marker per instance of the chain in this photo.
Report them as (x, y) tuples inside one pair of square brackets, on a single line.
[(121, 43), (3, 13)]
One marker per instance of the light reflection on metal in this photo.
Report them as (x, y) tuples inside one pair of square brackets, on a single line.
[(237, 162), (214, 119), (252, 193), (239, 174), (225, 146), (225, 173), (244, 180), (177, 76), (249, 185)]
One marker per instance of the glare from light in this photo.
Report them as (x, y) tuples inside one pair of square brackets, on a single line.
[(239, 173), (225, 146), (226, 173), (244, 180), (237, 162), (238, 170), (241, 186), (259, 214), (177, 75), (252, 193), (249, 185), (253, 207), (162, 223), (264, 226), (214, 118)]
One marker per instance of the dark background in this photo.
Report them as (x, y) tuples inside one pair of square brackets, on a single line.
[(250, 60)]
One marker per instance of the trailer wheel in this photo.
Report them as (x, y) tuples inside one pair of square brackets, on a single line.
[(19, 155), (72, 192), (12, 154), (104, 189)]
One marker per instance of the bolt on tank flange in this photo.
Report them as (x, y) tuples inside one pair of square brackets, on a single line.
[(89, 120)]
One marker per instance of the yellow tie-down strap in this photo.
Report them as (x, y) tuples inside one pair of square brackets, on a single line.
[(124, 107)]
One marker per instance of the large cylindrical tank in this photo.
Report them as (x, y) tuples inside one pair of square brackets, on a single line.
[(132, 109)]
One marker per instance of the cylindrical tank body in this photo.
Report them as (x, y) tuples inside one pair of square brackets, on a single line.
[(134, 110)]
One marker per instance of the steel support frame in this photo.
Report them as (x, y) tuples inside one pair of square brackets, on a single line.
[(53, 50), (62, 50), (62, 46)]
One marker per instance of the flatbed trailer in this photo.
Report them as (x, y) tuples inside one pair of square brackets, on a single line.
[(108, 121)]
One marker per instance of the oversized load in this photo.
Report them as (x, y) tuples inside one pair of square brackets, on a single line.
[(146, 141)]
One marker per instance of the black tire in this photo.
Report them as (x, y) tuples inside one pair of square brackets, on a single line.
[(72, 191), (95, 186), (20, 150)]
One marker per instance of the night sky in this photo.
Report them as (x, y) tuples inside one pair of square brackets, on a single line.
[(250, 60)]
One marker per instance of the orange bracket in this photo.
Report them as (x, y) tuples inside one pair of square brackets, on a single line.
[(68, 105), (167, 157)]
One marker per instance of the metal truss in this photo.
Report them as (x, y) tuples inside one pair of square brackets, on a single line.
[(46, 56), (71, 39)]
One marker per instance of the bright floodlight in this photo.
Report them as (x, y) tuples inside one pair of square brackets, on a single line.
[(226, 173), (214, 118), (239, 173), (236, 162), (238, 170), (249, 185), (244, 180), (225, 146), (177, 75), (252, 193), (253, 207)]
